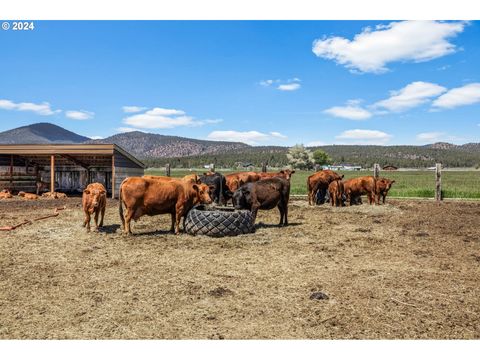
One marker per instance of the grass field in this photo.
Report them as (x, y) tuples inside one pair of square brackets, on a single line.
[(421, 183)]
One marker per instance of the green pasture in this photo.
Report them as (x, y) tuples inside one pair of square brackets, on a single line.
[(417, 183)]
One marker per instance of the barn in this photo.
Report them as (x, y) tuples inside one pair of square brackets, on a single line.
[(66, 168)]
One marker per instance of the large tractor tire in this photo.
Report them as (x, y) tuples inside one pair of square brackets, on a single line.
[(218, 221)]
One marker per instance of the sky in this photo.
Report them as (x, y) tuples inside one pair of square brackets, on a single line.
[(259, 82)]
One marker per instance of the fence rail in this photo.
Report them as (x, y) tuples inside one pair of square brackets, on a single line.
[(455, 183)]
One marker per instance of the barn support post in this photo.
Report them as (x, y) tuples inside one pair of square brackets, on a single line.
[(11, 171), (376, 170), (167, 170), (438, 182), (113, 176), (52, 173)]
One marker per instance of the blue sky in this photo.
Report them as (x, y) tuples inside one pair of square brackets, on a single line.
[(261, 82)]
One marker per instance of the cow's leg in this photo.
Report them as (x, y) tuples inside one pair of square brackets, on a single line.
[(172, 228), (285, 212), (282, 213), (128, 219), (384, 196), (102, 215), (87, 220), (179, 212), (97, 212)]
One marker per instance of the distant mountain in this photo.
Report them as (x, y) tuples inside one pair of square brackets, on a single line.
[(442, 145), (146, 145), (156, 150), (40, 133)]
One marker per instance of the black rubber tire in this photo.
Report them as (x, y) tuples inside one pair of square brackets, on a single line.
[(218, 222)]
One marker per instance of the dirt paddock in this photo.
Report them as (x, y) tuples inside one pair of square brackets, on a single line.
[(409, 269)]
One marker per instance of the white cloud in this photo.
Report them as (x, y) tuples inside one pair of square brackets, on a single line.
[(465, 95), (372, 50), (367, 137), (79, 114), (126, 129), (96, 137), (40, 109), (133, 109), (278, 135), (351, 111), (283, 85), (412, 95), (161, 118), (248, 137), (430, 136), (289, 87)]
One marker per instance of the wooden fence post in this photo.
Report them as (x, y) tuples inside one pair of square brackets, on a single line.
[(438, 182), (167, 170), (376, 170), (264, 167)]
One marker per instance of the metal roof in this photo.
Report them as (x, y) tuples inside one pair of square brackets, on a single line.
[(37, 150)]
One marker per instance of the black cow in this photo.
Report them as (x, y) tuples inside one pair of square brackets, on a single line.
[(220, 192), (264, 195)]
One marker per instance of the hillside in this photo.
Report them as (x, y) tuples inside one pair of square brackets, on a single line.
[(157, 150), (40, 133), (364, 155), (145, 145)]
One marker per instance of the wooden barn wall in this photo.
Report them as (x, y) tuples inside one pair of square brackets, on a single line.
[(122, 173), (124, 162)]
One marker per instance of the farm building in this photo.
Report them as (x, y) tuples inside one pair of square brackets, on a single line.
[(390, 167), (67, 168)]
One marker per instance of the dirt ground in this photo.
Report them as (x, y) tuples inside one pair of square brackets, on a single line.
[(409, 269)]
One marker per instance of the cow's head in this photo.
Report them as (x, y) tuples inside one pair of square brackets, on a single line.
[(21, 193), (241, 198), (95, 196), (202, 192), (287, 174)]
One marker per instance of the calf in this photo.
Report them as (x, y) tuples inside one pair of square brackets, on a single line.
[(54, 195), (94, 201), (28, 196), (318, 182), (383, 186), (264, 195), (335, 191), (5, 194), (150, 196), (356, 187)]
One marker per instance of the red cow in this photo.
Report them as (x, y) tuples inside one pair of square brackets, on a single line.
[(94, 201), (148, 196)]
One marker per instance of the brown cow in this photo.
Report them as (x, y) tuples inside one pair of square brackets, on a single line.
[(54, 195), (356, 187), (94, 200), (148, 196), (319, 182), (235, 180), (335, 190), (28, 196), (5, 194), (264, 195), (193, 178), (285, 174), (383, 186)]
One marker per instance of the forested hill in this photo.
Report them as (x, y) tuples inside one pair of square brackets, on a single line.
[(467, 155)]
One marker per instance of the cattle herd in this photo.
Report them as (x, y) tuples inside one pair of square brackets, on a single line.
[(154, 195)]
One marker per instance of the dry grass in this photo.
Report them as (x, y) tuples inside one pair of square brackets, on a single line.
[(404, 270)]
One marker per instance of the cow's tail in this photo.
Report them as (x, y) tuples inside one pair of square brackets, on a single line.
[(120, 207)]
